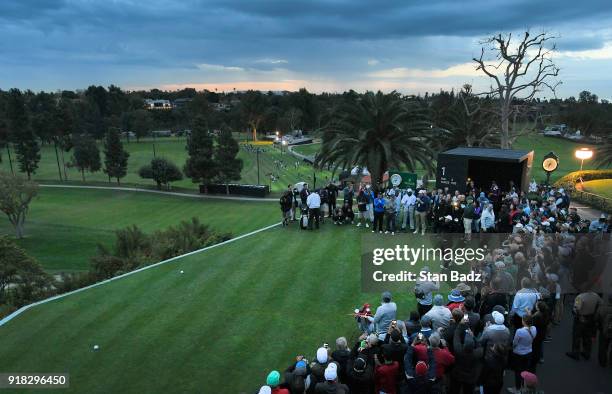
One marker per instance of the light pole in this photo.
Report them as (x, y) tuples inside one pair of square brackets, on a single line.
[(583, 154), (283, 144), (257, 151)]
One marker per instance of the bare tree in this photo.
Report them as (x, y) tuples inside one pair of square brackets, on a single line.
[(518, 73)]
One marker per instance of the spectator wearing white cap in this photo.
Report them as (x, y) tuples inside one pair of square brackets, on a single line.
[(317, 368), (331, 384), (496, 332)]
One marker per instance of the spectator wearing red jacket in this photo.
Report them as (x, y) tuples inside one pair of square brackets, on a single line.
[(386, 373), (444, 358)]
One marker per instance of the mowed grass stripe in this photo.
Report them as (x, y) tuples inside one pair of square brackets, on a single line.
[(64, 226), (237, 312)]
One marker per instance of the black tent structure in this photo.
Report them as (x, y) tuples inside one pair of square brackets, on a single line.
[(483, 165)]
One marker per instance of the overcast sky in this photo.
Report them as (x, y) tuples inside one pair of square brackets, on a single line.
[(324, 45)]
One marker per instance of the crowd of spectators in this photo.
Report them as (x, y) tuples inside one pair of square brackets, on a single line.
[(465, 339), (542, 208)]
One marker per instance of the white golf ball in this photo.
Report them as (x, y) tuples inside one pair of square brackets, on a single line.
[(96, 347), (182, 272)]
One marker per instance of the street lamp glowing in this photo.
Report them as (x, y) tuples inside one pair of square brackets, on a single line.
[(583, 154)]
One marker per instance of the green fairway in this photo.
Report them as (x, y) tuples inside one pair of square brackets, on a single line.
[(601, 187), (309, 150), (565, 149), (173, 149), (64, 225), (237, 312)]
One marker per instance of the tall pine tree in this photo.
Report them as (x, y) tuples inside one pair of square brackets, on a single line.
[(226, 153), (26, 143), (200, 165), (115, 157)]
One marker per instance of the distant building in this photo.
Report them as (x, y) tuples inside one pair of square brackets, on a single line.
[(161, 133), (155, 104), (220, 107), (181, 102)]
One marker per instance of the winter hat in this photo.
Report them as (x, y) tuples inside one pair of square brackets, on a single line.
[(438, 300), (530, 379), (273, 379), (386, 296), (421, 368), (265, 390), (331, 372), (455, 296), (300, 364), (322, 355), (500, 309), (360, 364), (498, 318)]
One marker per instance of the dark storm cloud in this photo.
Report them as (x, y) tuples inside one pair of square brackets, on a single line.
[(336, 39)]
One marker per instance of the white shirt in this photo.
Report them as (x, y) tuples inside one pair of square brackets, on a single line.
[(313, 201), (408, 200)]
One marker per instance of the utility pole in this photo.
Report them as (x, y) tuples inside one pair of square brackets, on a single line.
[(257, 150)]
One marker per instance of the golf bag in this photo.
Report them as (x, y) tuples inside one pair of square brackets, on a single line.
[(304, 218)]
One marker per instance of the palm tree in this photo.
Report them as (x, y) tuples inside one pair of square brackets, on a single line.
[(377, 131), (603, 156)]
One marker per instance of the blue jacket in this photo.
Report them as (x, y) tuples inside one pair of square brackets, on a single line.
[(379, 205)]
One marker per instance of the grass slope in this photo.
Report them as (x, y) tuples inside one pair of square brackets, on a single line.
[(602, 187), (64, 225), (173, 149), (237, 312)]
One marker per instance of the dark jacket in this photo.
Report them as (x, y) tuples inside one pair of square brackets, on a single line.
[(467, 357), (341, 357), (418, 384), (331, 388), (360, 382), (317, 375)]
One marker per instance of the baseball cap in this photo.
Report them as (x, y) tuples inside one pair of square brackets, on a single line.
[(331, 372)]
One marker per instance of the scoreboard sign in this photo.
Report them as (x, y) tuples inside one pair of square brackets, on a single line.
[(403, 180)]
